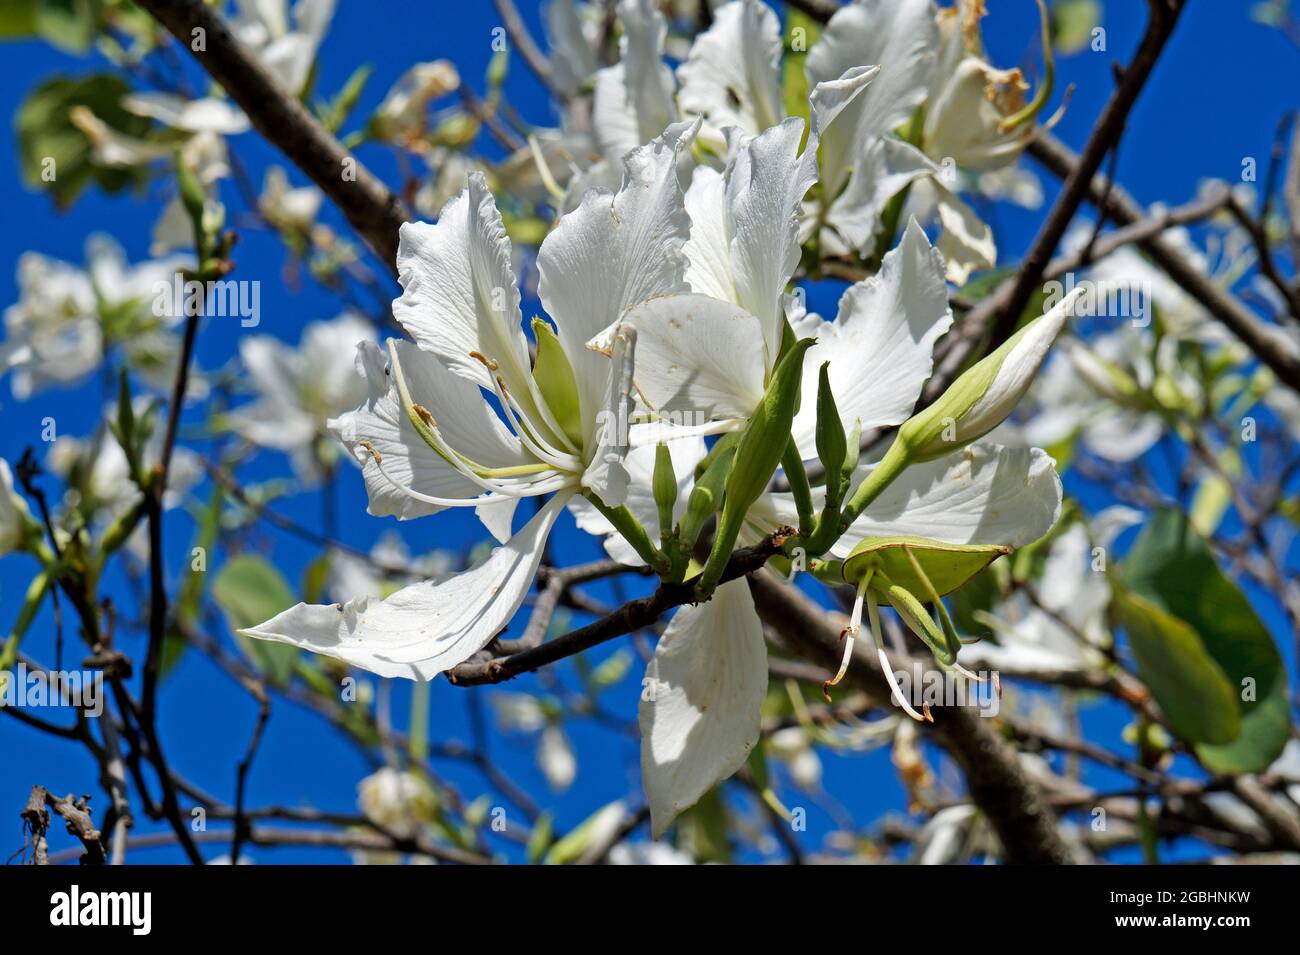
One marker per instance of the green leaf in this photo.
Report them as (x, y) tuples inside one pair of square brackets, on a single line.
[(1172, 566), (17, 19), (70, 25), (249, 590), (49, 143), (1190, 687)]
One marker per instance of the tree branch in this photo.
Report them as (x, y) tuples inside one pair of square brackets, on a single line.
[(374, 211)]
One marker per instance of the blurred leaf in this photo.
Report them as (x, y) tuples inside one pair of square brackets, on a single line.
[(17, 19), (1172, 566), (70, 25), (1210, 503), (249, 591), (315, 578), (800, 34), (540, 838), (702, 829), (1189, 686), (46, 133), (336, 112), (1072, 24)]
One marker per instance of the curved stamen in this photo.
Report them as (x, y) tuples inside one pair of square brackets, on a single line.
[(873, 612), (501, 494), (514, 417), (847, 635)]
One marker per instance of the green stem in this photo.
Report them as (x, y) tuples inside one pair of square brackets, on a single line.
[(797, 475), (625, 523), (893, 464)]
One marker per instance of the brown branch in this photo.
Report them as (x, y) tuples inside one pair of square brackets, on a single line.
[(524, 43), (372, 209), (75, 813), (632, 616), (1109, 126), (1010, 800), (1269, 344)]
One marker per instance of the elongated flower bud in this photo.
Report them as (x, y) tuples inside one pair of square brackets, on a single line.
[(985, 394)]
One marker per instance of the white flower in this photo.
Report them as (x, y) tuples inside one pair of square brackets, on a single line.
[(427, 439), (288, 51), (66, 317), (208, 115), (301, 389), (290, 209), (400, 117), (399, 801)]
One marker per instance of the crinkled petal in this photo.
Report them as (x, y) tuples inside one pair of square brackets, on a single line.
[(426, 628), (732, 75), (897, 35), (880, 347), (612, 252)]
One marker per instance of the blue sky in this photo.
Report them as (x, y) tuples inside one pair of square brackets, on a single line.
[(1215, 99)]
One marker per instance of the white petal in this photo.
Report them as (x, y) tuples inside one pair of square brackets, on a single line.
[(708, 250), (884, 167), (897, 35), (607, 475), (699, 359), (612, 252), (732, 74), (767, 178), (880, 345), (966, 242), (464, 418), (459, 293), (426, 628), (634, 98), (982, 494), (701, 719), (201, 115)]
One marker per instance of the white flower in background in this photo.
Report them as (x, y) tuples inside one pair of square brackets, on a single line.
[(15, 518), (399, 801), (1076, 396), (975, 118), (286, 46), (427, 438), (208, 115), (648, 853), (401, 116), (793, 746), (67, 317), (389, 568), (100, 486), (523, 713), (300, 389), (1066, 627), (205, 155), (574, 29), (944, 838), (287, 208)]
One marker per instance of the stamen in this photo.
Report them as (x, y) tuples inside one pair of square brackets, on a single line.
[(874, 612), (490, 363), (847, 635), (557, 459)]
